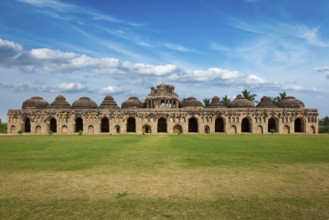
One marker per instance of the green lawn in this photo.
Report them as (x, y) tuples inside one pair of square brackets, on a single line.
[(164, 177)]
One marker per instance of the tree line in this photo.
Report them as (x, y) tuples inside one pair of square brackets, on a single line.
[(247, 95)]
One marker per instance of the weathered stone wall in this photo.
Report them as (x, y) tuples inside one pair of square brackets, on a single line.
[(234, 121)]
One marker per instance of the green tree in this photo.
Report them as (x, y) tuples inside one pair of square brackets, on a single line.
[(324, 125), (226, 100), (206, 102), (247, 95), (282, 95)]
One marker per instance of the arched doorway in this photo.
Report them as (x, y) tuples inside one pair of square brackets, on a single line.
[(192, 125), (206, 129), (260, 129), (105, 125), (162, 125), (245, 125), (312, 129), (131, 124), (90, 129), (286, 129), (64, 129), (219, 125), (13, 129), (53, 125), (273, 123), (38, 129), (178, 129), (299, 125), (27, 125), (78, 124), (117, 129), (233, 129), (146, 129)]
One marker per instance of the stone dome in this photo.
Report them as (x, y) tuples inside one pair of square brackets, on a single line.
[(290, 102), (35, 102), (108, 103), (216, 103), (60, 103), (132, 102), (265, 102), (192, 102), (84, 103), (241, 102)]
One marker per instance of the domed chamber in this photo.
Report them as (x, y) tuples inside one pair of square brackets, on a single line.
[(108, 103), (35, 102), (266, 102), (241, 102), (132, 102), (60, 103), (216, 103), (291, 102), (192, 102), (84, 103)]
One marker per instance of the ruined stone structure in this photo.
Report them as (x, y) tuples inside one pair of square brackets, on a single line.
[(162, 112)]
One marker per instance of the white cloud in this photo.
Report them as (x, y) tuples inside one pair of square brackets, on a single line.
[(178, 47), (322, 69), (311, 35), (54, 4), (9, 50), (110, 90), (45, 53)]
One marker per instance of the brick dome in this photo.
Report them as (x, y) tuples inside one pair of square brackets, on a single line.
[(84, 103), (241, 102), (291, 102), (132, 102), (265, 102), (108, 103), (60, 103), (192, 102), (35, 102)]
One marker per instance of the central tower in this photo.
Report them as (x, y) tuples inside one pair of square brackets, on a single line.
[(163, 96)]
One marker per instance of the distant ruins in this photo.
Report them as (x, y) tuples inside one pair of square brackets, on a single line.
[(162, 112)]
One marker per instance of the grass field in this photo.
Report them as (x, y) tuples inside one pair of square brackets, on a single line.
[(164, 177)]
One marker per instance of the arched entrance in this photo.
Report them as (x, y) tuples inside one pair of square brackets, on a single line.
[(64, 129), (273, 123), (233, 129), (206, 129), (178, 129), (299, 125), (162, 125), (53, 125), (192, 125), (219, 125), (27, 125), (13, 129), (38, 129), (78, 124), (146, 129), (245, 125), (312, 129), (117, 129), (105, 125), (131, 124), (286, 129), (260, 129), (90, 129)]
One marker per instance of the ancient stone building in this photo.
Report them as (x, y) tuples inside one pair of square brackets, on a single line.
[(162, 112)]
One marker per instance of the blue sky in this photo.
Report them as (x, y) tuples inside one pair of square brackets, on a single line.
[(203, 47)]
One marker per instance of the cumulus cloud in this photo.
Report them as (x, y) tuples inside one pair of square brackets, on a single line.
[(111, 90), (49, 61), (9, 50)]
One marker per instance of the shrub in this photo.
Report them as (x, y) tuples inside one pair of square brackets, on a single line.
[(20, 132)]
